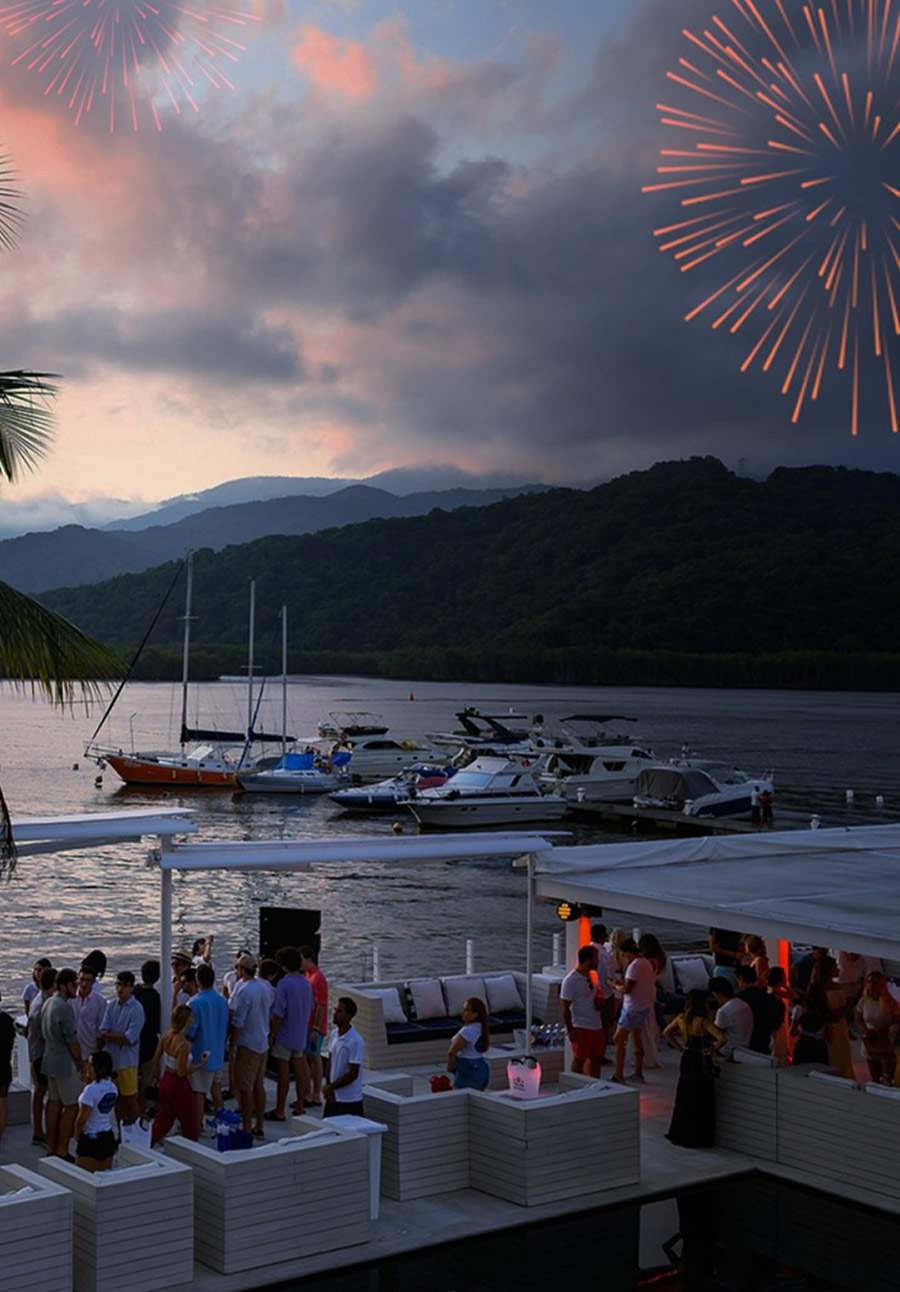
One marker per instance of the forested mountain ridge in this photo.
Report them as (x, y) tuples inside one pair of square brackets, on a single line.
[(685, 559)]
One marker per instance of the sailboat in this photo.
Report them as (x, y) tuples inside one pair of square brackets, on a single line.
[(207, 759)]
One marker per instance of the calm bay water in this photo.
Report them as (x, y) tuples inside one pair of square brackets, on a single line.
[(63, 905)]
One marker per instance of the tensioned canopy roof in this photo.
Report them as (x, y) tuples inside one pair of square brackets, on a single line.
[(837, 888)]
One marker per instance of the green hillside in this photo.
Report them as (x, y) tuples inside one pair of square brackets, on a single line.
[(684, 573)]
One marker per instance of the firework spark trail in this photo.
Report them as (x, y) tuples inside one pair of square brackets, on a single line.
[(123, 56), (790, 144)]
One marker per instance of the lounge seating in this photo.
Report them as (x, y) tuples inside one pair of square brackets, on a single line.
[(261, 1206), (398, 1034), (426, 1148), (559, 1146), (133, 1226), (833, 1129), (35, 1232), (745, 1105)]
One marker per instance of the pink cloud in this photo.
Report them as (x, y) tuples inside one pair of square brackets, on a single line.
[(335, 64)]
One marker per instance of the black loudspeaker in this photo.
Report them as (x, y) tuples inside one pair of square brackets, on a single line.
[(283, 926)]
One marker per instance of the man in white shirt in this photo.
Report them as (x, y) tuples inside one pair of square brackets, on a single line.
[(733, 1016), (344, 1087), (90, 1008), (639, 992), (581, 997)]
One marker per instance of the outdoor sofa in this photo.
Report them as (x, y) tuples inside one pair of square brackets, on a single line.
[(411, 1021), (35, 1232), (133, 1225)]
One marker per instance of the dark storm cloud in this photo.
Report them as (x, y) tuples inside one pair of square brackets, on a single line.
[(234, 349)]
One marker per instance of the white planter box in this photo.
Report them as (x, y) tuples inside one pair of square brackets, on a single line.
[(133, 1225), (261, 1206), (834, 1129), (745, 1105), (554, 1147), (426, 1148), (35, 1232)]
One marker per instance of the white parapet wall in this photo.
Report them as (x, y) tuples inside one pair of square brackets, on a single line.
[(278, 1202), (133, 1225), (828, 1126), (426, 1148), (547, 1149), (35, 1232), (746, 1096)]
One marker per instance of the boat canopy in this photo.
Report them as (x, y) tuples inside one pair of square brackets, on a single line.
[(674, 783)]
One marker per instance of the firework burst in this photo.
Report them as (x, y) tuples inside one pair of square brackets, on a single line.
[(784, 121), (124, 59)]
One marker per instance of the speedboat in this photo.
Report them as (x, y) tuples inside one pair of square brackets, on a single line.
[(297, 773), (482, 733), (373, 757), (386, 796), (359, 722), (694, 791), (490, 791), (592, 759)]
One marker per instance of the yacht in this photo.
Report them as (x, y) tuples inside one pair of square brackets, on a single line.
[(373, 757), (693, 788), (386, 796), (355, 723), (490, 791), (481, 733), (296, 773), (591, 758)]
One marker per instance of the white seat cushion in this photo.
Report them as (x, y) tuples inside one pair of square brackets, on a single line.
[(391, 1003), (427, 997), (502, 994), (691, 974), (458, 990)]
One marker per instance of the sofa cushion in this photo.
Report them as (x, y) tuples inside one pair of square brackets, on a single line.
[(392, 1005), (692, 974), (441, 1029), (405, 1033), (458, 989), (428, 999), (502, 993), (506, 1020)]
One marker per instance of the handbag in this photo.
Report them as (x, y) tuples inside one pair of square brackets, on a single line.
[(136, 1134)]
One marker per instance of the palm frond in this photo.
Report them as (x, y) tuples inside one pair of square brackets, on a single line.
[(26, 422), (7, 842), (10, 209), (43, 651)]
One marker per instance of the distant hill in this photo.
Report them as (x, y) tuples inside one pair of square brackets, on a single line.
[(38, 562), (683, 573), (396, 480)]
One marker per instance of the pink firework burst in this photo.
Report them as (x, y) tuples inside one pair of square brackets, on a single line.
[(125, 58)]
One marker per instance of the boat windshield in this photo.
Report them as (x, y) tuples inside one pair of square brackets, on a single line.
[(472, 780)]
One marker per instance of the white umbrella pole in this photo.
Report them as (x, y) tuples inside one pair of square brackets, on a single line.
[(529, 952)]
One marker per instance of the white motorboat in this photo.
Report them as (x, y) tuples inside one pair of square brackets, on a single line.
[(488, 734), (297, 773), (591, 758), (357, 722), (374, 757), (386, 796), (490, 791), (694, 791)]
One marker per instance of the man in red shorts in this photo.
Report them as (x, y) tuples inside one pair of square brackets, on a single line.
[(582, 1003)]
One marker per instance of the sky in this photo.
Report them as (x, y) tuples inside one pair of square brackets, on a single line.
[(412, 232)]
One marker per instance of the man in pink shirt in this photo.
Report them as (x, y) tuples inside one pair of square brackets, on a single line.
[(318, 1022)]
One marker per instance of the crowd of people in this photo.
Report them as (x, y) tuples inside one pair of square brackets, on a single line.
[(811, 1014), (100, 1064)]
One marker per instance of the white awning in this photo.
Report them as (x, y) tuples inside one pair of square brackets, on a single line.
[(837, 888), (40, 834)]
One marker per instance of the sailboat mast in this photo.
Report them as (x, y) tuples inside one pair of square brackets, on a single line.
[(284, 681), (250, 660), (186, 649)]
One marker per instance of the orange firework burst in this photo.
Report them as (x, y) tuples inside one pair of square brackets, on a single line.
[(787, 170), (124, 53)]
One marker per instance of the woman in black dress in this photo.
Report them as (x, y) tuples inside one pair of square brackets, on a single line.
[(693, 1122)]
